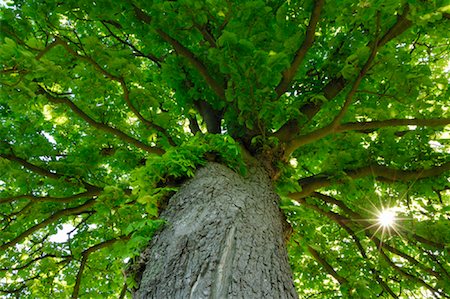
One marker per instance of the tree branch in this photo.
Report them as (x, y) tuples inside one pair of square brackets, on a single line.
[(50, 46), (27, 264), (90, 193), (377, 124), (295, 143), (193, 125), (342, 220), (100, 126), (147, 123), (120, 80), (219, 89), (36, 169), (363, 253), (198, 65), (313, 183), (326, 266), (410, 276), (290, 72), (66, 212), (210, 116), (337, 84), (364, 127), (151, 57), (44, 172), (359, 219), (85, 256)]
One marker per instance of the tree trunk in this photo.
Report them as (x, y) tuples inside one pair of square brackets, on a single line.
[(223, 239)]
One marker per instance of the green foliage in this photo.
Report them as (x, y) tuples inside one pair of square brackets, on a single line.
[(105, 109)]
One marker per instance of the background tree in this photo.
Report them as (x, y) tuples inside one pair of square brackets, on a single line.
[(107, 107)]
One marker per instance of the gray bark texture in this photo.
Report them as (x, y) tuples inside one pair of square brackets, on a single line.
[(223, 239)]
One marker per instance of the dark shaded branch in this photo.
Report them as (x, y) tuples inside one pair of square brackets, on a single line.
[(137, 52), (207, 36), (363, 253), (402, 24), (371, 125), (341, 221), (19, 289), (66, 212), (311, 184), (211, 117), (433, 257), (100, 126), (32, 198), (36, 169), (87, 59), (193, 125), (85, 256), (407, 257), (123, 292), (290, 72), (326, 266)]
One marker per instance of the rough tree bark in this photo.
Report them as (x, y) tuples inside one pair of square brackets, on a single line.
[(223, 238)]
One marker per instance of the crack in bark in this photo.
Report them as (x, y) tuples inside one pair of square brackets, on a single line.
[(223, 276)]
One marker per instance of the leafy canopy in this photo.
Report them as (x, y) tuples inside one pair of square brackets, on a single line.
[(107, 106)]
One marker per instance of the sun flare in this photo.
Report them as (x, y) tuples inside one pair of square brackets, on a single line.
[(387, 218)]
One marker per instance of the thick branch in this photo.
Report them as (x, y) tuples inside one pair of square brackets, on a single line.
[(360, 220), (44, 172), (371, 125), (320, 133), (402, 24), (85, 256), (66, 212), (290, 72), (100, 126), (211, 117), (137, 52), (198, 65), (193, 125), (311, 184), (410, 276), (218, 88), (337, 84), (370, 234), (90, 193), (326, 266), (149, 124), (36, 169), (364, 127), (120, 80)]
